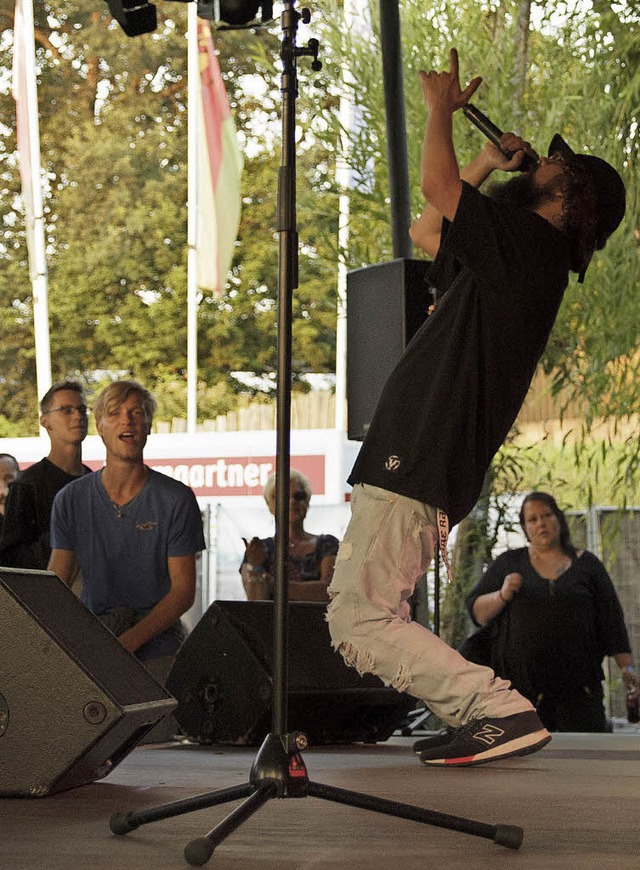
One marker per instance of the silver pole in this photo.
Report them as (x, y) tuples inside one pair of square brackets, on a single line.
[(36, 232), (193, 110)]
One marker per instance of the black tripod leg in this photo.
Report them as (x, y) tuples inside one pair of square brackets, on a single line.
[(198, 851), (124, 822), (504, 835)]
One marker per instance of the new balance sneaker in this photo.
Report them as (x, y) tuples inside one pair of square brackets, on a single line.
[(483, 740), (438, 738)]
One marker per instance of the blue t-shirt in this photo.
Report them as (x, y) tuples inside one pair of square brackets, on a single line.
[(123, 552)]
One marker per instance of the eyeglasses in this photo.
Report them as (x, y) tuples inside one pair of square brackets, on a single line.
[(69, 410), (299, 495)]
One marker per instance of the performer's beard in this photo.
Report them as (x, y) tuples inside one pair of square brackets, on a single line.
[(522, 191)]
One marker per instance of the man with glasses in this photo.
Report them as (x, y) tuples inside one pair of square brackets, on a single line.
[(24, 542)]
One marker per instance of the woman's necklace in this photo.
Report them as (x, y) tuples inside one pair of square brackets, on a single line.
[(551, 566)]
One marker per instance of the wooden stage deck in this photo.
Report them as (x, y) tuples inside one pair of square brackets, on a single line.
[(578, 801)]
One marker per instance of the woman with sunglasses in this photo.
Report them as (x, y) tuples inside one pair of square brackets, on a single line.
[(311, 556)]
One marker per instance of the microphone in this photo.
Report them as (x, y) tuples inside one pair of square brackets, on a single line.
[(494, 134)]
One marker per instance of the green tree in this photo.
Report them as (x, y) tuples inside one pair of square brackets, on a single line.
[(113, 159), (114, 144), (519, 48), (113, 112)]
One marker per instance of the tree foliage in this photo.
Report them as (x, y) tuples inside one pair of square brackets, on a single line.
[(114, 152), (113, 126), (582, 80)]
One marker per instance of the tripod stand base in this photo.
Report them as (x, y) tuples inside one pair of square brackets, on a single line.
[(279, 772)]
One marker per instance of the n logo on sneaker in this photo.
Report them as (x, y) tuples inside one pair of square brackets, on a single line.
[(488, 734)]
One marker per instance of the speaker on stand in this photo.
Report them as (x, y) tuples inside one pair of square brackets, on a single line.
[(386, 305)]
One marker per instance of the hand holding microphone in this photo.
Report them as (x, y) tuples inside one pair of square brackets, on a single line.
[(494, 134)]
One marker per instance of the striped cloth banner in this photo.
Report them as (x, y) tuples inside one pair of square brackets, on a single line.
[(219, 171)]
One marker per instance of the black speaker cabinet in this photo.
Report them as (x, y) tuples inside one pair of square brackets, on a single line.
[(73, 701), (223, 680), (386, 305)]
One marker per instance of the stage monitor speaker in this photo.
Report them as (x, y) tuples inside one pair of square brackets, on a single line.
[(386, 305), (222, 678), (73, 701)]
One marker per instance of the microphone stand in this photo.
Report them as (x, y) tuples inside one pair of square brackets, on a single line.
[(278, 770)]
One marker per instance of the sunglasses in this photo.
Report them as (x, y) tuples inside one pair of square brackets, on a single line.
[(299, 495)]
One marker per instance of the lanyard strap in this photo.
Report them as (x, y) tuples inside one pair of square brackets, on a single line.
[(442, 522)]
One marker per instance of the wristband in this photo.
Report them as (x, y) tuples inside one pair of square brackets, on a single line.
[(629, 669), (256, 569)]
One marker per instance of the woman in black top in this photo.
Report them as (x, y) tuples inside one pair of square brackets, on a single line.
[(311, 557), (552, 614)]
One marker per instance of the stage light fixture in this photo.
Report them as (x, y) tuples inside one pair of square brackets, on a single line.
[(235, 13), (134, 16), (138, 16)]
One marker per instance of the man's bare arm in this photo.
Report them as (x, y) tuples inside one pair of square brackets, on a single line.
[(426, 230), (179, 598), (441, 179), (63, 563)]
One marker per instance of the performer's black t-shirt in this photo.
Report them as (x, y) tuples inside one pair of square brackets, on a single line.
[(500, 272)]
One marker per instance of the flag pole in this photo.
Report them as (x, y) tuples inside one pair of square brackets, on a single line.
[(356, 19), (193, 110), (26, 96), (343, 180)]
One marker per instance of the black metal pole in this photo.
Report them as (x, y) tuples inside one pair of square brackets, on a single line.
[(287, 282), (397, 158)]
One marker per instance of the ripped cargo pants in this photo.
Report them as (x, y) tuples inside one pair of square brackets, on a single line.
[(387, 547)]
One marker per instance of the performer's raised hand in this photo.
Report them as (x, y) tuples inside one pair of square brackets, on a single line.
[(443, 88)]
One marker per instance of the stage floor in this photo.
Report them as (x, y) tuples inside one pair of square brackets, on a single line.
[(578, 801)]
